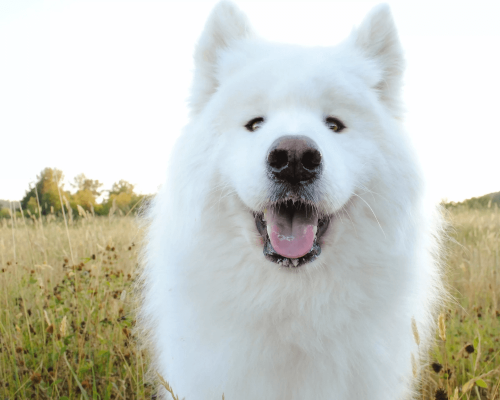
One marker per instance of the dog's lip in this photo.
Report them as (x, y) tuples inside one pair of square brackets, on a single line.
[(271, 254)]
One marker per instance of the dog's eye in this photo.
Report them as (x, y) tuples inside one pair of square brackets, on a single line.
[(334, 124), (254, 124)]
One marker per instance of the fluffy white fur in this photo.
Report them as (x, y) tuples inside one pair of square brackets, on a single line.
[(218, 316)]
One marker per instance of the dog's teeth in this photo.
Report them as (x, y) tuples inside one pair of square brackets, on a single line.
[(295, 262), (269, 231), (264, 217)]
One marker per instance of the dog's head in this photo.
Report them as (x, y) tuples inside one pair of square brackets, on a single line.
[(299, 131)]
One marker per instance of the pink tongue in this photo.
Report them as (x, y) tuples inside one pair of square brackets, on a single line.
[(291, 231)]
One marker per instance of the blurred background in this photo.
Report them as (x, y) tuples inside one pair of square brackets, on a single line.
[(99, 87)]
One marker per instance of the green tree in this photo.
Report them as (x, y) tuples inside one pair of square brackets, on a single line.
[(121, 197), (32, 206), (83, 183), (4, 213), (48, 194), (122, 186), (87, 191)]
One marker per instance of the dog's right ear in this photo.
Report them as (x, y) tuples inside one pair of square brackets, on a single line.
[(225, 25)]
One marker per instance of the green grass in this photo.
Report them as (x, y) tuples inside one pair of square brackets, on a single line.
[(474, 315), (42, 284), (65, 310)]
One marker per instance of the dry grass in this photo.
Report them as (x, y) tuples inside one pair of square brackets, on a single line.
[(65, 325), (65, 328), (467, 351)]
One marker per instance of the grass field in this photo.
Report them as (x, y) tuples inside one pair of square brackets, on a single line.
[(65, 311)]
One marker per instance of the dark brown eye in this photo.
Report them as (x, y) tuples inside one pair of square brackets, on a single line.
[(254, 124), (334, 124)]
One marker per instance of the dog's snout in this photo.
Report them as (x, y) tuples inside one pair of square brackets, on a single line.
[(294, 159)]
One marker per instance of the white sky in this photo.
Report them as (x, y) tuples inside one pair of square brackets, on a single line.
[(99, 87)]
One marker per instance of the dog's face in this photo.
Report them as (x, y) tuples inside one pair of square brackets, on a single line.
[(299, 130)]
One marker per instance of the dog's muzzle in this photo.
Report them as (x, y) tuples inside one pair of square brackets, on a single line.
[(291, 231), (291, 224)]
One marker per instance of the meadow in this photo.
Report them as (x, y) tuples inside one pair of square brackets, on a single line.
[(66, 310)]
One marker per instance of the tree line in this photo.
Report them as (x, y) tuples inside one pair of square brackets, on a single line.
[(487, 201), (48, 195)]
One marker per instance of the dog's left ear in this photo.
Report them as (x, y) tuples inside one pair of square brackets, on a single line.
[(377, 38), (226, 25)]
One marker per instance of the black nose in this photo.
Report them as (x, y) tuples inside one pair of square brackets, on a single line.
[(294, 159)]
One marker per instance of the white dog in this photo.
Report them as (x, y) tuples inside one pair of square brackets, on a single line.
[(291, 246)]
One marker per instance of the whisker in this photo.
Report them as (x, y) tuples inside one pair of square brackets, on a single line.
[(372, 213), (344, 209)]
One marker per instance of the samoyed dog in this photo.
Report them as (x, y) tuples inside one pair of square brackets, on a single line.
[(292, 249)]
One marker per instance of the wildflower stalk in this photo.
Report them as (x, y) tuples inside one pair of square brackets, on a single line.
[(65, 223), (83, 391)]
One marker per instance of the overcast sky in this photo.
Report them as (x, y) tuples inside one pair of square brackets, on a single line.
[(99, 87)]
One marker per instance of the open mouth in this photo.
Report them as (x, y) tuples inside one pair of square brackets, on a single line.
[(291, 231)]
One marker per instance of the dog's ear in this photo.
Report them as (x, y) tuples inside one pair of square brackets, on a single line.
[(377, 38), (225, 25)]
